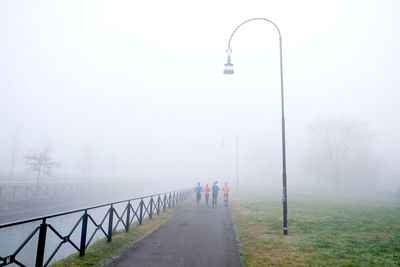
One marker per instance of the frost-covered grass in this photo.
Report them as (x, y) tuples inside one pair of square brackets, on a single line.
[(322, 232)]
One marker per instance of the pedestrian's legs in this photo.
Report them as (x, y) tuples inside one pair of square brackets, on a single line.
[(207, 196), (198, 199), (226, 200)]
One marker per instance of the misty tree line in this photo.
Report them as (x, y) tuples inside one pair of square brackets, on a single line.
[(339, 154)]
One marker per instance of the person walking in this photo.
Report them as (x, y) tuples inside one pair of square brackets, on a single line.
[(219, 187), (215, 190), (226, 190), (198, 189), (207, 191)]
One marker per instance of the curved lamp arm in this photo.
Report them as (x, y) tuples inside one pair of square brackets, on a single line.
[(229, 50)]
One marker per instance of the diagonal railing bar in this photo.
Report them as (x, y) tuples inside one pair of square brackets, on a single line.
[(8, 260), (123, 213), (12, 258), (75, 226), (26, 241), (134, 215), (64, 239), (58, 247), (138, 211), (120, 219), (147, 207), (54, 253), (69, 234), (98, 227)]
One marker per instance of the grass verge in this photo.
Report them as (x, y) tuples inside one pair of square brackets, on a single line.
[(100, 252), (322, 232)]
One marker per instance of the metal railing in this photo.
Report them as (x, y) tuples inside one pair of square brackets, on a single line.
[(135, 210), (29, 191)]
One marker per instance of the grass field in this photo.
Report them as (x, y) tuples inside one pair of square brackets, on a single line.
[(322, 231)]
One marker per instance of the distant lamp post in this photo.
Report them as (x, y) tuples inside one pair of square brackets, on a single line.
[(229, 70), (237, 155)]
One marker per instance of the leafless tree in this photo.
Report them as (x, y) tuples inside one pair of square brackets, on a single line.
[(14, 152), (41, 163), (341, 151)]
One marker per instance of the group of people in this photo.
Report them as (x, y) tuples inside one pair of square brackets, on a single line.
[(214, 190)]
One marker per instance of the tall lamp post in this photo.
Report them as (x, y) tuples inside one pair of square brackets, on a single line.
[(237, 155), (229, 70)]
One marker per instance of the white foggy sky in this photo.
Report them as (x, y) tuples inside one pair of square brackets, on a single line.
[(142, 82)]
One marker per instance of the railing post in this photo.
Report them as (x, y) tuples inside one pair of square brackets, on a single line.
[(83, 234), (141, 212), (158, 204), (41, 244), (151, 208), (110, 222), (165, 202), (128, 216), (169, 200), (173, 200)]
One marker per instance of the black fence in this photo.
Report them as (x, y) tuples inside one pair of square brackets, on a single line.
[(130, 211)]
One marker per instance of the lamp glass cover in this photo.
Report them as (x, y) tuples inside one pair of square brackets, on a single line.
[(228, 68)]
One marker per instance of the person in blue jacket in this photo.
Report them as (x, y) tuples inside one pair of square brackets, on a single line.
[(198, 189), (215, 190)]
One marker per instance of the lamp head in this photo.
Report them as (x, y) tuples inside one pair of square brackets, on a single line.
[(228, 66)]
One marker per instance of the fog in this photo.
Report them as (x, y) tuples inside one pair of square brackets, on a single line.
[(134, 90)]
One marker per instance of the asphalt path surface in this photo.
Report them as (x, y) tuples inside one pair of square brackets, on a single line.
[(196, 236)]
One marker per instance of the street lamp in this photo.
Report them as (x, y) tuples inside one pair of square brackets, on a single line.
[(229, 70), (237, 155)]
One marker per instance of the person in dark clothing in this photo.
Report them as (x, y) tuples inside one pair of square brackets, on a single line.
[(215, 190), (198, 189)]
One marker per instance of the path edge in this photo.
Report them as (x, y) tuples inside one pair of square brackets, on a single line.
[(237, 239), (109, 262)]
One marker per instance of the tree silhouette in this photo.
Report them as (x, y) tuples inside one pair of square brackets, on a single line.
[(41, 163), (341, 151)]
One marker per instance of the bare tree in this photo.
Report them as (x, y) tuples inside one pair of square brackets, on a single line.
[(41, 163), (14, 151), (341, 151)]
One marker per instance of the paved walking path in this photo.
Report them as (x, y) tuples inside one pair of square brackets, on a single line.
[(196, 236)]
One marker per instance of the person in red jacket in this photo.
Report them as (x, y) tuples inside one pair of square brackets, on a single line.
[(207, 191), (226, 190)]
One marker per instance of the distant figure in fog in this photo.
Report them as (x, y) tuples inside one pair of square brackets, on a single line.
[(198, 189), (226, 190), (207, 191), (215, 190)]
